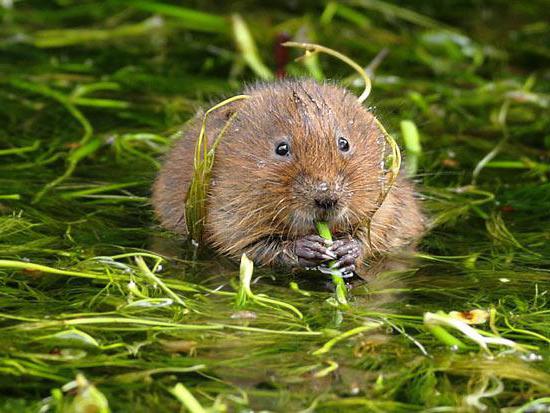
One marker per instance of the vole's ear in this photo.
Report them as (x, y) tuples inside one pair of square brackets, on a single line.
[(228, 110), (216, 120)]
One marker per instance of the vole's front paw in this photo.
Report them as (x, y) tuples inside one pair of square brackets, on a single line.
[(312, 250), (347, 251)]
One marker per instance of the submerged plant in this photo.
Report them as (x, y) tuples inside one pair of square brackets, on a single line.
[(483, 339), (245, 292)]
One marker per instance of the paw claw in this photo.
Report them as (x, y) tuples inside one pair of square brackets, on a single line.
[(315, 251), (345, 247), (311, 250)]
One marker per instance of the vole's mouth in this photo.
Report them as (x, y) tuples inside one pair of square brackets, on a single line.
[(303, 222), (328, 208), (328, 215), (319, 199)]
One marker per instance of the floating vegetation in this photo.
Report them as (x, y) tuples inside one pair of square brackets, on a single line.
[(101, 310), (482, 339), (245, 293)]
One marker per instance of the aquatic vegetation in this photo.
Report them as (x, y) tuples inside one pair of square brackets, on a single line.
[(101, 309)]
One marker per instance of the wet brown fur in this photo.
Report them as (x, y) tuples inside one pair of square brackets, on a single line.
[(259, 203)]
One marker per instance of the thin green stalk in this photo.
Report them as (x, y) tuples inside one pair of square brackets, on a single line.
[(339, 283), (533, 405), (413, 149), (445, 337), (98, 189), (118, 321), (101, 103), (274, 332), (312, 48), (403, 13), (332, 367), (17, 151), (136, 376), (28, 266), (72, 37), (247, 46), (187, 17), (502, 121), (149, 274), (181, 393), (347, 13), (350, 333)]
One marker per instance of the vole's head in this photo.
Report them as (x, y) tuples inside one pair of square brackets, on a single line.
[(300, 152)]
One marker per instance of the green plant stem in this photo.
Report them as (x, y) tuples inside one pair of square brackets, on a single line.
[(181, 393), (357, 330), (413, 149), (339, 283), (247, 46), (149, 274)]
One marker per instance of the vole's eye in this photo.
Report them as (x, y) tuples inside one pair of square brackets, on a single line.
[(282, 149), (343, 144)]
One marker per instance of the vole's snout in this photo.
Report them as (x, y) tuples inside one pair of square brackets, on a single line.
[(320, 197), (324, 197)]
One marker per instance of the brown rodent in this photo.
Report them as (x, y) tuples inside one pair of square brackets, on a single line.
[(296, 152)]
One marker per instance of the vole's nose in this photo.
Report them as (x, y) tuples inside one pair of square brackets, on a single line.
[(326, 202), (324, 197)]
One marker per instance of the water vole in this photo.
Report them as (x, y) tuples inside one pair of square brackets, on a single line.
[(296, 152)]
